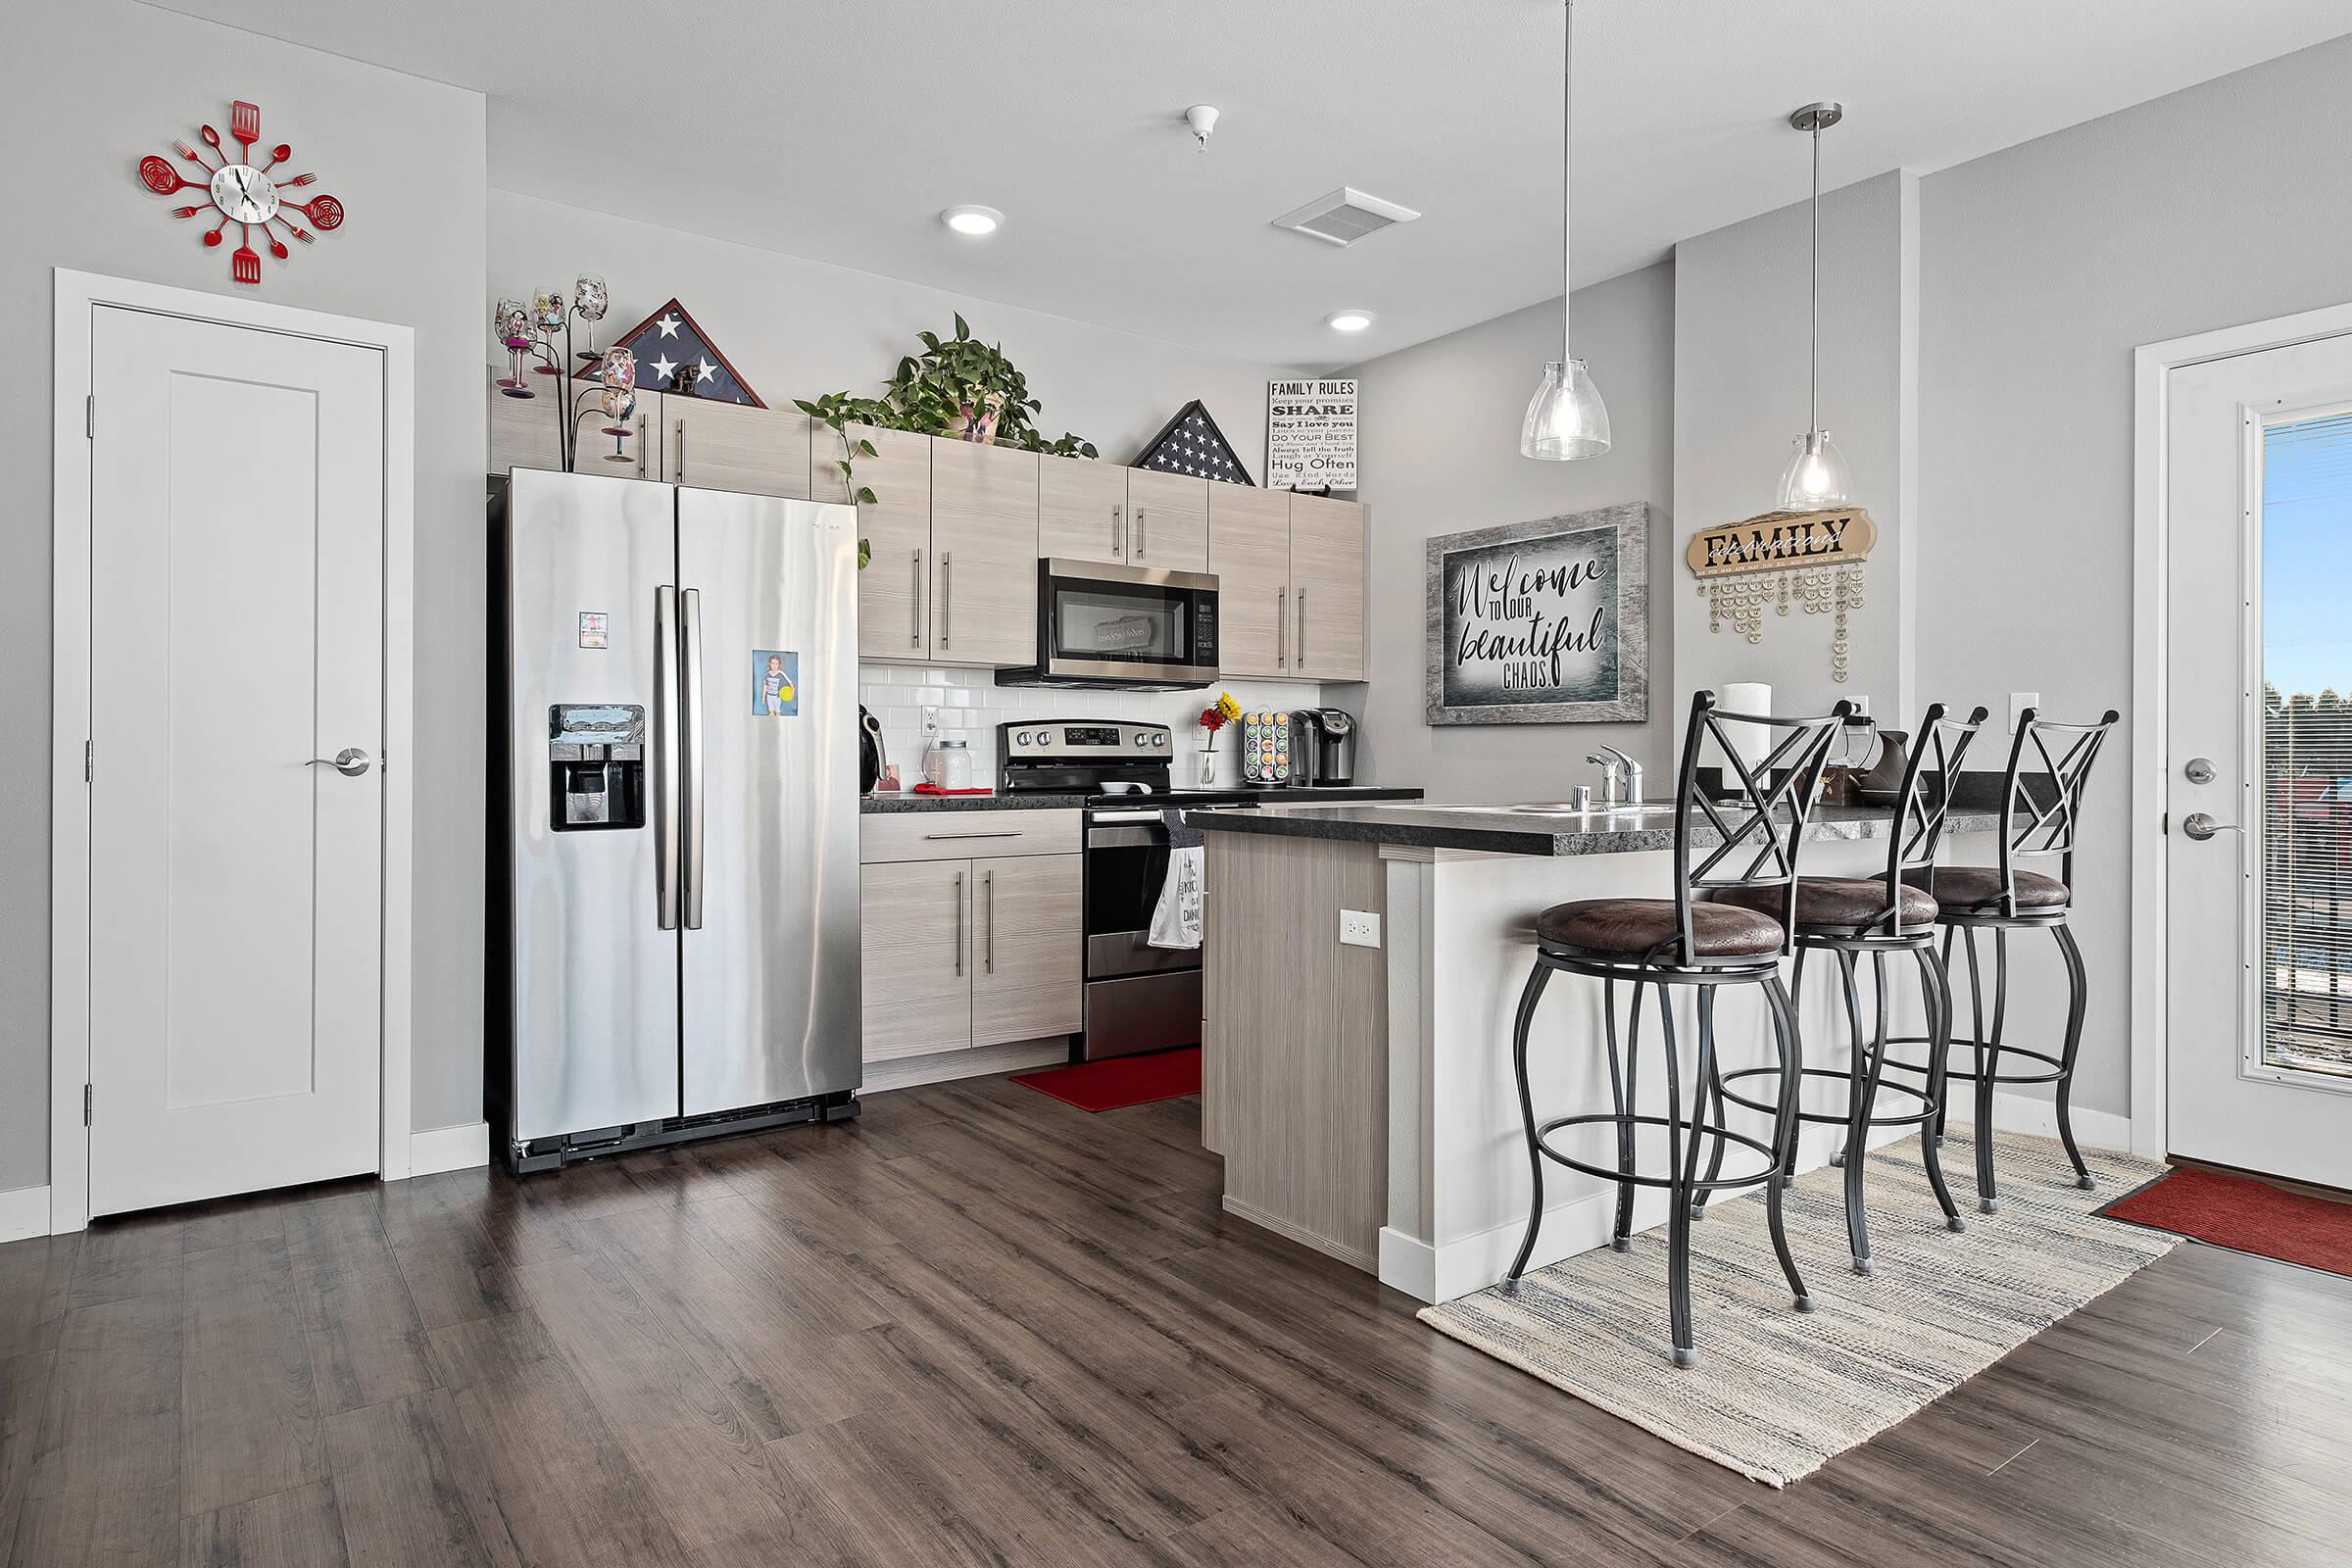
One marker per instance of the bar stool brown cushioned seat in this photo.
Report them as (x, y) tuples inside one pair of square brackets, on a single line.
[(1839, 901), (1634, 926), (1963, 887)]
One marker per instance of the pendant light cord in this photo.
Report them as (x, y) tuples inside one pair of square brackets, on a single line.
[(1567, 143), (1813, 389)]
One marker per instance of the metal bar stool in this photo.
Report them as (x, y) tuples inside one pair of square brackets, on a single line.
[(1874, 916), (1684, 941), (2042, 812)]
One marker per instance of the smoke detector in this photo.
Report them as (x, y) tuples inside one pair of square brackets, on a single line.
[(1345, 216)]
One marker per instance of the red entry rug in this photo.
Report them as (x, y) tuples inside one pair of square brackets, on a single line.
[(1120, 1081), (2245, 1215)]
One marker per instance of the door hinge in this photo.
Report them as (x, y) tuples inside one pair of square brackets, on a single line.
[(88, 761), (89, 416), (85, 1104)]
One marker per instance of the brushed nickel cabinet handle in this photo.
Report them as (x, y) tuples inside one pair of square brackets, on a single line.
[(988, 893), (947, 597), (678, 433), (641, 446), (1007, 833), (1282, 629), (1302, 628), (914, 635), (1139, 533), (960, 923), (1116, 548)]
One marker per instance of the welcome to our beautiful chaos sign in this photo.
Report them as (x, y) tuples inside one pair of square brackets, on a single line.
[(1544, 622)]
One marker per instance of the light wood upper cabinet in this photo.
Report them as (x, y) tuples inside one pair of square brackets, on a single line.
[(1167, 520), (893, 591), (1250, 551), (1028, 951), (984, 541), (1081, 510), (1327, 588), (915, 950), (524, 434), (732, 446)]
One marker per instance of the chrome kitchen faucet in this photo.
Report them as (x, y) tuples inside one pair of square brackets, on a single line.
[(1622, 780)]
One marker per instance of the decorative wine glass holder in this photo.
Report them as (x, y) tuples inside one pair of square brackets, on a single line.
[(541, 332)]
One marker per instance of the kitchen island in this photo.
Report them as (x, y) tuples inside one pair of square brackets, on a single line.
[(1362, 1096)]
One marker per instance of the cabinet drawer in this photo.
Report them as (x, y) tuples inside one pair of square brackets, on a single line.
[(968, 835)]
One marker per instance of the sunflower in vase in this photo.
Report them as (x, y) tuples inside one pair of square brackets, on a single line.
[(1214, 717)]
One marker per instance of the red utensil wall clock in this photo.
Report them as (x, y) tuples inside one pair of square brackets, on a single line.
[(242, 192)]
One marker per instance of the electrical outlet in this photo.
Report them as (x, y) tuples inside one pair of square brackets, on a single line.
[(2019, 702), (1861, 701), (1359, 928), (930, 721)]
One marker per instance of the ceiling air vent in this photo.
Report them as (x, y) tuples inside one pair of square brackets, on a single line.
[(1345, 216)]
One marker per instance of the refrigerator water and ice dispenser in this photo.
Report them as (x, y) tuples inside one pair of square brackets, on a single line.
[(596, 761)]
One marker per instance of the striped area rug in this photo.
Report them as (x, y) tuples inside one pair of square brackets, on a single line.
[(1775, 1394)]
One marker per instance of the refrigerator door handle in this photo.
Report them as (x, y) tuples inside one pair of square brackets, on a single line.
[(666, 757), (691, 636)]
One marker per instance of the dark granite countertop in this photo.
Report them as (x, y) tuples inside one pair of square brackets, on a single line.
[(1508, 830), (909, 801), (1189, 798)]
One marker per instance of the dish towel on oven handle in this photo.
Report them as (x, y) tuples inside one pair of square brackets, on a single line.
[(1176, 918)]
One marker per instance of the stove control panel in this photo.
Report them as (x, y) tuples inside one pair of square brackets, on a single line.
[(1084, 738)]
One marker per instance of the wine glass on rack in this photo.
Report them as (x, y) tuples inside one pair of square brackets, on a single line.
[(589, 302), (549, 308), (511, 325), (619, 373)]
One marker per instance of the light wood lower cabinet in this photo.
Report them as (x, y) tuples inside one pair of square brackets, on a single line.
[(957, 953), (915, 930), (1029, 948)]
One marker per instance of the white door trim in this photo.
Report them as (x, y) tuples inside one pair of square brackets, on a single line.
[(79, 295), (2151, 532)]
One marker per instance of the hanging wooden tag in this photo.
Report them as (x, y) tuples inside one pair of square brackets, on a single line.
[(1782, 541)]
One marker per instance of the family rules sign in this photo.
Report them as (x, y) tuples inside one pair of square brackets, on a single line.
[(1544, 622)]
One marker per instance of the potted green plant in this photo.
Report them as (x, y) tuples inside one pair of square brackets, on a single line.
[(957, 387)]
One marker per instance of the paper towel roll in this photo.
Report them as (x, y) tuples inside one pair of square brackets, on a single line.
[(1752, 742)]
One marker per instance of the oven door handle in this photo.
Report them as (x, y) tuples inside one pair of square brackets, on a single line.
[(1127, 838)]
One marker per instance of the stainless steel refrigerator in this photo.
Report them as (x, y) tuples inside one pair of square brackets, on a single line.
[(674, 850)]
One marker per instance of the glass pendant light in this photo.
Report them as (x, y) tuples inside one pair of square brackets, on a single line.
[(1565, 418), (1815, 478)]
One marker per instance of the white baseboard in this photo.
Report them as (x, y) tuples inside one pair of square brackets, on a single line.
[(24, 1211), (2036, 1116), (440, 1149), (942, 1067)]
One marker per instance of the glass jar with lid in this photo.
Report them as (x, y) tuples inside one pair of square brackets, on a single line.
[(948, 765)]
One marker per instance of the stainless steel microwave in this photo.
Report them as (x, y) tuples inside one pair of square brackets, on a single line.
[(1136, 627)]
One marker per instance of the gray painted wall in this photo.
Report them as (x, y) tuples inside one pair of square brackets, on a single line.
[(95, 85), (1438, 443), (797, 328), (2043, 267), (1740, 335)]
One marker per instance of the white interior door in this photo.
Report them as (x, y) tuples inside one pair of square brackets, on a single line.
[(2259, 792), (237, 516)]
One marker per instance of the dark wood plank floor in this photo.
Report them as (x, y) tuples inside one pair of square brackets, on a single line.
[(983, 1327)]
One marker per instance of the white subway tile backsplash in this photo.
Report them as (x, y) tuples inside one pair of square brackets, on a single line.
[(971, 705)]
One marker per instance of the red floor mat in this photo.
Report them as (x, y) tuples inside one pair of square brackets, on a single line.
[(2244, 1214), (1121, 1081)]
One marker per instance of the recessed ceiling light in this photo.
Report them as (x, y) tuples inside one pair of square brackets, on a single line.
[(1348, 321), (972, 219)]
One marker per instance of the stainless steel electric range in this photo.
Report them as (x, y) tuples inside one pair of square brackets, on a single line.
[(1137, 997)]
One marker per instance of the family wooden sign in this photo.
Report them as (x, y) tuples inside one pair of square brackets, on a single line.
[(1782, 541)]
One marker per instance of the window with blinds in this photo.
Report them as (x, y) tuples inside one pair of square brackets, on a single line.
[(2307, 743)]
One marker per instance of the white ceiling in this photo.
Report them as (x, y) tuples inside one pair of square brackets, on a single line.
[(838, 130)]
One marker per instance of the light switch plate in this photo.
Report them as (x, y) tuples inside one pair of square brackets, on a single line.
[(1359, 928), (2019, 702)]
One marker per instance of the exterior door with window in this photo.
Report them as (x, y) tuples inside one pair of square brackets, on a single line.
[(2259, 777), (236, 732)]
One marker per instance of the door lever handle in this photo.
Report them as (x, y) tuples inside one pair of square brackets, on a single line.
[(350, 762), (2200, 826)]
